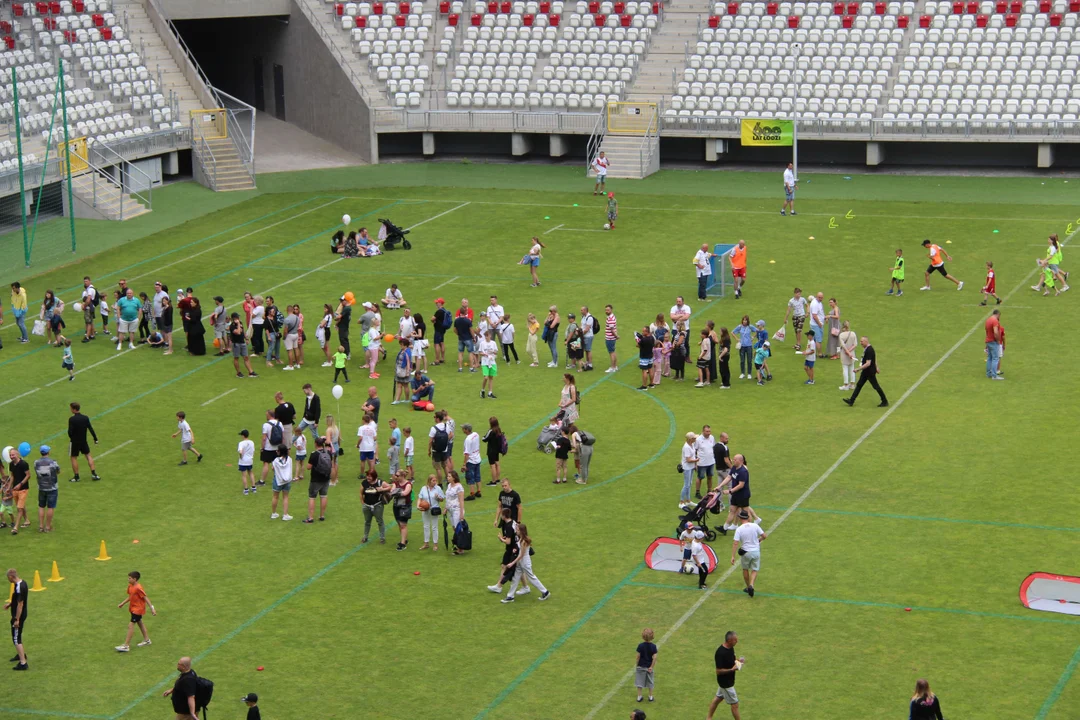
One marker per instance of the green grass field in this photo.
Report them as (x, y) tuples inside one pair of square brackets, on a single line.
[(942, 504)]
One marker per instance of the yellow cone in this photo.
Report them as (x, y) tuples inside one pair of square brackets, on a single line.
[(55, 577), (103, 554), (38, 587)]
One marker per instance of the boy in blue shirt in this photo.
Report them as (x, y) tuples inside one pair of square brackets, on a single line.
[(69, 362), (761, 356)]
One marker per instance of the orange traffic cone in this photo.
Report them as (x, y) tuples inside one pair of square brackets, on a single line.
[(55, 577), (103, 554), (38, 587)]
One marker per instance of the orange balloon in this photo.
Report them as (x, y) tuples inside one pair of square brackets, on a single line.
[(388, 338), (350, 298), (217, 342)]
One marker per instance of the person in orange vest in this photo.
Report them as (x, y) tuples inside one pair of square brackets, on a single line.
[(937, 265), (737, 259)]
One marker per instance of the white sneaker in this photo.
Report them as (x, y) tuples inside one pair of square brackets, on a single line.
[(122, 648), (327, 364), (131, 346), (286, 517), (925, 287), (842, 387), (960, 285), (119, 347), (552, 365), (699, 384), (1035, 287), (288, 367), (144, 643), (741, 376), (274, 516), (494, 588), (609, 370), (524, 591)]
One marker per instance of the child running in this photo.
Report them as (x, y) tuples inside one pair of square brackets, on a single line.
[(646, 663), (187, 438), (897, 274), (68, 363), (991, 284), (136, 602)]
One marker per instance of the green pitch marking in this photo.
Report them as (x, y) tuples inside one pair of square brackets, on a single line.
[(1059, 688)]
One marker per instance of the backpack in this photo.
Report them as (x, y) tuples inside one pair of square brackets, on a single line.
[(595, 325), (97, 296), (324, 465), (587, 438), (441, 441), (447, 320), (204, 693), (277, 434), (463, 536), (504, 447)]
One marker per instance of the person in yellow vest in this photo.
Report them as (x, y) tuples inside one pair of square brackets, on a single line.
[(737, 259), (1054, 256), (937, 265)]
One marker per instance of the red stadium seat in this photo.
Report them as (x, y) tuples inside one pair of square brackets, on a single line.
[(106, 33), (594, 7), (958, 8), (54, 7), (838, 8), (1074, 6), (793, 21), (924, 21), (361, 21), (403, 8), (545, 7), (9, 42), (1055, 20), (902, 21), (400, 20), (444, 7), (554, 19), (1044, 6), (452, 19), (599, 19), (620, 7), (376, 8), (849, 20), (99, 20), (771, 8), (19, 11), (733, 8), (476, 20), (339, 9), (982, 20), (879, 8), (625, 20), (1001, 7), (973, 8), (42, 8), (79, 6), (5, 27), (714, 21), (1016, 7), (493, 7), (527, 20), (50, 23), (853, 8), (505, 6), (1010, 21)]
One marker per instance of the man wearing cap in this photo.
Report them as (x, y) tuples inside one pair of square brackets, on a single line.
[(367, 318), (238, 341), (252, 702), (747, 544), (441, 321), (128, 315), (342, 319), (48, 473)]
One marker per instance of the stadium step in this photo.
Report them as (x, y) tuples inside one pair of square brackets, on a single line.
[(227, 170), (629, 155), (105, 197)]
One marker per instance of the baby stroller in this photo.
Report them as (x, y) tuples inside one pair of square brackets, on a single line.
[(550, 432), (391, 235), (699, 515)]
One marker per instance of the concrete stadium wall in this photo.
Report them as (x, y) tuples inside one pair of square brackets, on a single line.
[(318, 94), (204, 9)]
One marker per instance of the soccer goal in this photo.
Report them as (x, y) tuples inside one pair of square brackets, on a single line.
[(720, 280)]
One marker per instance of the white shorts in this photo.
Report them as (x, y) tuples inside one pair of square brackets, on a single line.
[(291, 341), (728, 694), (127, 326), (601, 177)]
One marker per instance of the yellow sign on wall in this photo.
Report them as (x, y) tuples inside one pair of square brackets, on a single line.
[(767, 132), (76, 147), (211, 123)]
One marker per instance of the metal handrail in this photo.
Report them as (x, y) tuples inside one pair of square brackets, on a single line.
[(200, 150), (596, 139), (127, 166)]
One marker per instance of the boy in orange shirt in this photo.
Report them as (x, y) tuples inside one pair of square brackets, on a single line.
[(137, 602)]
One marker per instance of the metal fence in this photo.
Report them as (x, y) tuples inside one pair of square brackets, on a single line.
[(403, 120)]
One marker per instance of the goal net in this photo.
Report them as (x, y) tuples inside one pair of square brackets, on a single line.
[(720, 280)]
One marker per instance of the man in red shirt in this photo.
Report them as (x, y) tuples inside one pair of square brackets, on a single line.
[(993, 345)]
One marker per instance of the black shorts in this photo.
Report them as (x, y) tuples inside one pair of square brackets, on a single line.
[(136, 618), (267, 456), (17, 633), (82, 447), (438, 457), (938, 269), (317, 489), (740, 501)]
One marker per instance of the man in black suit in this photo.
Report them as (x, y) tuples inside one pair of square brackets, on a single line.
[(78, 426), (312, 411), (867, 374)]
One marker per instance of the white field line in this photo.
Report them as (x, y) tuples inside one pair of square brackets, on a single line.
[(717, 211), (436, 217), (810, 490), (11, 400), (552, 229), (446, 283), (237, 239), (99, 362), (112, 450), (218, 397), (566, 229)]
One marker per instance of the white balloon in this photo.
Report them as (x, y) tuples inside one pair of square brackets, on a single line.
[(345, 219), (6, 454), (78, 307), (337, 392)]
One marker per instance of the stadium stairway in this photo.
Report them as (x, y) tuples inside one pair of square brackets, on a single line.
[(230, 173), (103, 197), (667, 50), (631, 156)]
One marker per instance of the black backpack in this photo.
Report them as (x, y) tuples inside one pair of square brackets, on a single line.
[(587, 438), (277, 434), (323, 464), (441, 442), (504, 446), (204, 693), (595, 325), (97, 296), (463, 536)]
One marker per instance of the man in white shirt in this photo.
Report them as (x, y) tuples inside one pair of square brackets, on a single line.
[(747, 544), (703, 266), (600, 166), (494, 313), (471, 453), (789, 190), (680, 312), (488, 351), (796, 310), (406, 325), (246, 452), (393, 298), (268, 450), (367, 443), (817, 319), (706, 461), (588, 325)]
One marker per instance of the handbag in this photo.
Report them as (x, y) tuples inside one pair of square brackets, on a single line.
[(835, 332), (39, 327), (679, 469), (435, 510)]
